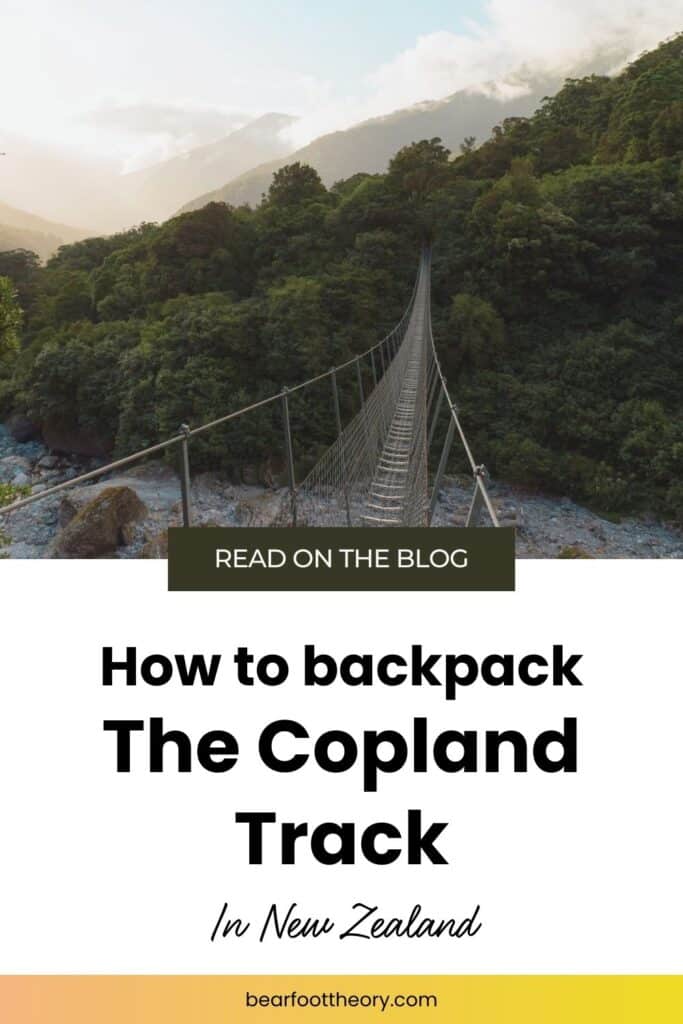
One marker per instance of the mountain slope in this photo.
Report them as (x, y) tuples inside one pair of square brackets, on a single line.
[(158, 191), (21, 230), (61, 185), (557, 302), (370, 146)]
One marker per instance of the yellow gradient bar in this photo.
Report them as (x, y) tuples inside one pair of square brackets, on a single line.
[(470, 1000)]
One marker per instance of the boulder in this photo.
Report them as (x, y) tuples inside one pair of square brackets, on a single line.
[(71, 504), (156, 485), (23, 429), (71, 440), (100, 527)]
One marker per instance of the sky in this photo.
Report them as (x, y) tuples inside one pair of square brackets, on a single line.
[(140, 80)]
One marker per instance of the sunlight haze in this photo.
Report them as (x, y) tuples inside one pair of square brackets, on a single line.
[(125, 88)]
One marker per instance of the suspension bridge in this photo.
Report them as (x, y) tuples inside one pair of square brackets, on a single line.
[(381, 469)]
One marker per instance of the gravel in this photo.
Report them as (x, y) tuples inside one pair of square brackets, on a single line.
[(547, 527), (550, 527)]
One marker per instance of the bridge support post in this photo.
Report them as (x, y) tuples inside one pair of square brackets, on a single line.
[(376, 379), (185, 475), (448, 444), (340, 431), (361, 390), (434, 389), (435, 419), (477, 506), (363, 406), (374, 368), (290, 454), (392, 352)]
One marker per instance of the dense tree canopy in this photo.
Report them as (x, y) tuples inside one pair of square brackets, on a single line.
[(10, 323), (558, 248)]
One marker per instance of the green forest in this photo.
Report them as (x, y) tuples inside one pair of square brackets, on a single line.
[(557, 306)]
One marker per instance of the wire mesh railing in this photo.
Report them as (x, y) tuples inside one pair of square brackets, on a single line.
[(376, 469)]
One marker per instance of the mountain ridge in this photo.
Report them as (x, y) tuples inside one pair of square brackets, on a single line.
[(157, 190), (368, 146), (20, 229), (556, 306)]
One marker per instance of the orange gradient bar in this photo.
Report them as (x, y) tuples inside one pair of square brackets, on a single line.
[(475, 1000)]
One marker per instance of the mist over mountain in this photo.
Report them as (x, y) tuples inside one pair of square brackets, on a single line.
[(148, 133), (21, 230), (60, 185), (368, 147), (157, 191), (557, 305)]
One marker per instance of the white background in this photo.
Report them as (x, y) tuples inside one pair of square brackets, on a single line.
[(108, 873)]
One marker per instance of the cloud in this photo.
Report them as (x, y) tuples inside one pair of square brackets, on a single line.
[(148, 132), (181, 92), (539, 36), (158, 118), (516, 40)]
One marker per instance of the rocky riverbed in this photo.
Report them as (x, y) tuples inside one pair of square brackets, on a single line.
[(550, 527), (546, 527)]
